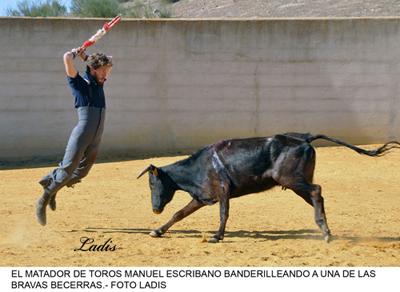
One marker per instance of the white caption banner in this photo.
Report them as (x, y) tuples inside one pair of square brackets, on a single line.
[(197, 279)]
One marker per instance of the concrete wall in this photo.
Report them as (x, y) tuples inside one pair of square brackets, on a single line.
[(178, 85)]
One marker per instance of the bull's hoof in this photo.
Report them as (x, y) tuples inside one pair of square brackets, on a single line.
[(155, 233), (327, 238), (41, 212), (213, 240)]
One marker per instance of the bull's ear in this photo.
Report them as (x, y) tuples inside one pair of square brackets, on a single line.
[(151, 168)]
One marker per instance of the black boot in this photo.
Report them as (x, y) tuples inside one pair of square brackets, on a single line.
[(52, 203), (45, 181), (41, 205)]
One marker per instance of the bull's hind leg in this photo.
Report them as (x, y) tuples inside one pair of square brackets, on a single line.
[(311, 193), (295, 171), (184, 212)]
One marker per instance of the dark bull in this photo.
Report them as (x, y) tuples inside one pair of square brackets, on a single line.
[(238, 167)]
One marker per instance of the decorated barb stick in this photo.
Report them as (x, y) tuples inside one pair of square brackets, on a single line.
[(101, 32)]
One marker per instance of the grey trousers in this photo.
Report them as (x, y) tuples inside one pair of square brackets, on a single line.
[(81, 151)]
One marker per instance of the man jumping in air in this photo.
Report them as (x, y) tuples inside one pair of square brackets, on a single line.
[(84, 141)]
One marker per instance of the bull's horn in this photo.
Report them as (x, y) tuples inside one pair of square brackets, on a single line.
[(144, 171), (151, 168)]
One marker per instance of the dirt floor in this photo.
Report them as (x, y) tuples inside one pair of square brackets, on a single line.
[(275, 228)]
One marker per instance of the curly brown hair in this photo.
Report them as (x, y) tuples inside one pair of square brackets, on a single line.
[(98, 60)]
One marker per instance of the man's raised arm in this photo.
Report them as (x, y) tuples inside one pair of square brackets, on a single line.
[(69, 61)]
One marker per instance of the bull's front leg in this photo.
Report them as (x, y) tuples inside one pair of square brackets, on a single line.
[(193, 206), (224, 214)]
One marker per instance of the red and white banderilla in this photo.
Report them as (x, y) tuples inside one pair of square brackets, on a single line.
[(101, 32), (98, 35)]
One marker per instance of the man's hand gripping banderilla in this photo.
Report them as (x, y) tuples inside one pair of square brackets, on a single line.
[(79, 52)]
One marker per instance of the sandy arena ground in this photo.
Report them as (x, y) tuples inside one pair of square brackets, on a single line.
[(275, 228)]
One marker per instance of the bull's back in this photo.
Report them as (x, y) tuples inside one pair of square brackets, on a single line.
[(245, 156), (252, 162), (246, 161)]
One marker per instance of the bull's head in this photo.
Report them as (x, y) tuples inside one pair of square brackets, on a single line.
[(162, 187)]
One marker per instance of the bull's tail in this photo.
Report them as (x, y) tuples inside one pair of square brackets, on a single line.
[(376, 152)]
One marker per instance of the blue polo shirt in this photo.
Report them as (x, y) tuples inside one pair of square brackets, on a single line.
[(87, 91)]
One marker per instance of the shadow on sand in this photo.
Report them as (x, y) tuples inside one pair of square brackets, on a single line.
[(305, 234)]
